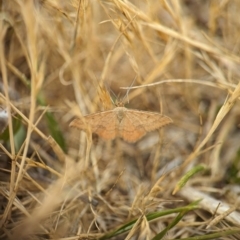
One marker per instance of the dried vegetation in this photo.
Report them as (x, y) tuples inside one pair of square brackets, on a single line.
[(61, 59)]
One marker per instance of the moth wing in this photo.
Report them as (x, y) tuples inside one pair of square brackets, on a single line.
[(103, 123), (137, 123)]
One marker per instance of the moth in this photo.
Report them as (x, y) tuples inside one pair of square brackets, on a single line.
[(128, 124)]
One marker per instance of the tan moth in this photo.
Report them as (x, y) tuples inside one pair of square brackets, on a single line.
[(131, 125)]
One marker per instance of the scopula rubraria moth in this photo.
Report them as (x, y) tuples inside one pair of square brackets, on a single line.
[(129, 124)]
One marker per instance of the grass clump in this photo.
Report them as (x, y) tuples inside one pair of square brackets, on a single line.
[(61, 60)]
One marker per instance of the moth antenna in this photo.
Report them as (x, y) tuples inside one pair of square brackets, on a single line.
[(129, 88), (112, 92)]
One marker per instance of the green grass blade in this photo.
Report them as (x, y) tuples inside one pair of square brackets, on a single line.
[(152, 216)]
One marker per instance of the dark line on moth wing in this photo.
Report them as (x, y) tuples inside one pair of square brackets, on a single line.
[(104, 116), (150, 113), (147, 127), (98, 113), (147, 113), (159, 121), (130, 135), (134, 121)]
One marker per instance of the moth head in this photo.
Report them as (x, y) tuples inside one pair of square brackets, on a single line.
[(119, 104)]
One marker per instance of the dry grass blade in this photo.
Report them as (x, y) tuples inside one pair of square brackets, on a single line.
[(58, 60)]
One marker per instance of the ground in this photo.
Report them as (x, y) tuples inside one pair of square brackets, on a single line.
[(64, 60)]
